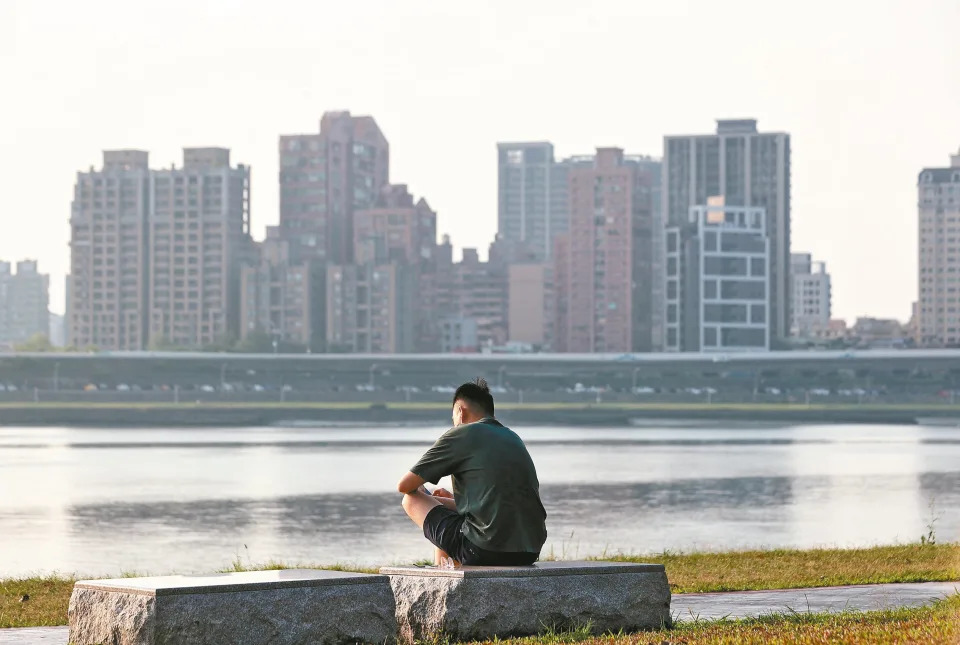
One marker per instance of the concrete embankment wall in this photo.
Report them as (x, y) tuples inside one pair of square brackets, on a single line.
[(600, 415)]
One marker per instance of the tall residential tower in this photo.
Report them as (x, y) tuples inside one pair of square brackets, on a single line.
[(107, 287), (155, 254), (603, 268), (747, 168), (938, 308), (324, 179)]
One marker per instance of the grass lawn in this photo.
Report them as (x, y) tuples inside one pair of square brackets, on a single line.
[(933, 625), (786, 569), (692, 572)]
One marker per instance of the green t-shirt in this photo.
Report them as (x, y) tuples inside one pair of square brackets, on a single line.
[(494, 485)]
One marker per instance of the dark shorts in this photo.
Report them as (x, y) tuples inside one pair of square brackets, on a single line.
[(443, 527)]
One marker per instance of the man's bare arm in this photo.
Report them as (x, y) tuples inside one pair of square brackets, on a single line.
[(409, 483)]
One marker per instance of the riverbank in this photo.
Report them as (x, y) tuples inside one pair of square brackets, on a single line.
[(570, 414), (688, 573)]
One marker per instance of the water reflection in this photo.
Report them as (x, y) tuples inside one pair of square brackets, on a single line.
[(105, 501)]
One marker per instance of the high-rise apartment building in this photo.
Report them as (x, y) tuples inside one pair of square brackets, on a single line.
[(532, 196), (276, 296), (107, 303), (156, 254), (604, 265), (371, 308), (198, 237), (396, 229), (464, 300), (811, 296), (375, 304), (24, 301), (938, 195), (533, 203), (324, 179), (479, 290), (717, 291), (747, 168)]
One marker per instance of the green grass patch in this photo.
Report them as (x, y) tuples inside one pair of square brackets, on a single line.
[(931, 625), (693, 572), (788, 569)]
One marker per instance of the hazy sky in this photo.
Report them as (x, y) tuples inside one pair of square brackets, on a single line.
[(869, 91)]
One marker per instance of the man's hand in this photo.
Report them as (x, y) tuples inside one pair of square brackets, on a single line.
[(442, 492)]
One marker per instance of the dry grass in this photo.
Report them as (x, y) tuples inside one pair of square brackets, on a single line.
[(785, 569), (49, 597), (695, 572)]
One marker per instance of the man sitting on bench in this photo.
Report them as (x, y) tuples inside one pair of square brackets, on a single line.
[(494, 515)]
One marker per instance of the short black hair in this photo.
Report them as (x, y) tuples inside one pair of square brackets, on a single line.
[(477, 394)]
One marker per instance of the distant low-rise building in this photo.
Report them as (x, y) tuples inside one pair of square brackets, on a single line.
[(878, 332), (530, 306), (57, 332), (458, 335), (811, 295)]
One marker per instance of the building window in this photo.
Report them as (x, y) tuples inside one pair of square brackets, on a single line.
[(710, 241), (710, 336)]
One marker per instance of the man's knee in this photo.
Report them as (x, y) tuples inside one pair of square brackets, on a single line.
[(407, 503)]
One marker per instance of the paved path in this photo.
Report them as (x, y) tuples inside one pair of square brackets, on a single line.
[(706, 606), (749, 604)]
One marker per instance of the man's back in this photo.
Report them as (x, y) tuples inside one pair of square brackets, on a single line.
[(494, 484)]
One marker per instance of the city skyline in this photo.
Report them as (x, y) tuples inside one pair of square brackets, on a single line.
[(856, 156)]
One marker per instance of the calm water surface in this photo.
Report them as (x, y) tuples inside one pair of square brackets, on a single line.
[(187, 500)]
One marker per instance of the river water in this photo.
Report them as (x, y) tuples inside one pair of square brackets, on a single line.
[(102, 502)]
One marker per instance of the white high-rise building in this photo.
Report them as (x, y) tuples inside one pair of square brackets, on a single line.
[(938, 307), (717, 293), (749, 169)]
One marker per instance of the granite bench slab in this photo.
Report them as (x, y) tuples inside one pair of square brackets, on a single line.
[(294, 607), (470, 603)]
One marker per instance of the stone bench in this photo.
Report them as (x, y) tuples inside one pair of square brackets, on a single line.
[(482, 602), (295, 606)]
